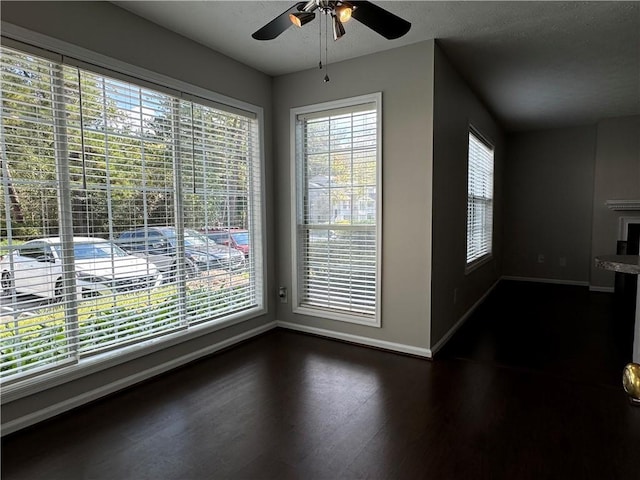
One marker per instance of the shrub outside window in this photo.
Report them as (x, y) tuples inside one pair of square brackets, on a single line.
[(108, 188)]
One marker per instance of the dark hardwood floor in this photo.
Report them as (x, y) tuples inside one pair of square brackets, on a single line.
[(529, 388)]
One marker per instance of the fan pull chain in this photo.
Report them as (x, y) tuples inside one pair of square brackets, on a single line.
[(320, 43), (326, 48)]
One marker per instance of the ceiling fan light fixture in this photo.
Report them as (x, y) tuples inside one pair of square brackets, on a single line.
[(338, 28), (301, 18), (344, 13), (381, 21)]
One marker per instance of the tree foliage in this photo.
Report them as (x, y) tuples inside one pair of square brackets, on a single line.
[(126, 147)]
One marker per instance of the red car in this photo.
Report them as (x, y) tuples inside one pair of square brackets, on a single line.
[(232, 237)]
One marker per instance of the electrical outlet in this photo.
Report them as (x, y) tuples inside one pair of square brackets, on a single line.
[(540, 258), (282, 294)]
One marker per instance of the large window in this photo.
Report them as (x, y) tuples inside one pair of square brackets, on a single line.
[(479, 200), (112, 193), (337, 210)]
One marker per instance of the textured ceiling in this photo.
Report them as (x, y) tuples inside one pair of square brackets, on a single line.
[(535, 64)]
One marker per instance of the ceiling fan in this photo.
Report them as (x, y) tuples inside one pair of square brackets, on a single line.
[(376, 18)]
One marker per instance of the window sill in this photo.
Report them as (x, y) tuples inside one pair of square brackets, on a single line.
[(338, 316), (94, 364), (477, 263)]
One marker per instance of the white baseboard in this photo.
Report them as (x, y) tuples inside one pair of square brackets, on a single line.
[(385, 345), (89, 396), (556, 281), (595, 288), (460, 322), (347, 337)]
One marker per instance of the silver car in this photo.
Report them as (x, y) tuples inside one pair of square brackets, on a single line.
[(199, 251), (35, 268)]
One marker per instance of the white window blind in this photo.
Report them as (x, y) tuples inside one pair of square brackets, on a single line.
[(479, 199), (109, 190), (338, 214)]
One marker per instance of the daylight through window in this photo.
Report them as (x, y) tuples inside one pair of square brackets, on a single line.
[(337, 157), (119, 206), (479, 200)]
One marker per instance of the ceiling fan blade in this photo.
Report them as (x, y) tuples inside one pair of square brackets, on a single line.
[(278, 25), (380, 20)]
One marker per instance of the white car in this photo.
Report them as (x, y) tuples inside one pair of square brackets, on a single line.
[(35, 268)]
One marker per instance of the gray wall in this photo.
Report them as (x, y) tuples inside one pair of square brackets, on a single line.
[(109, 30), (548, 203), (104, 28), (405, 78), (455, 107), (556, 184), (617, 176)]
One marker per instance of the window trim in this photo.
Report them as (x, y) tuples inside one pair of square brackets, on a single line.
[(60, 51), (294, 182), (487, 257), (69, 54)]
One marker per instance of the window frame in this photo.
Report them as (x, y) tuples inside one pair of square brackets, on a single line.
[(295, 183), (487, 256), (65, 53)]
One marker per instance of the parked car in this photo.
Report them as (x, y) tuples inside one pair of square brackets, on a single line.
[(153, 247), (231, 237), (200, 252), (35, 268)]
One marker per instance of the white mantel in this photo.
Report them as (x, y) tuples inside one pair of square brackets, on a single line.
[(623, 204), (624, 222), (626, 264)]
